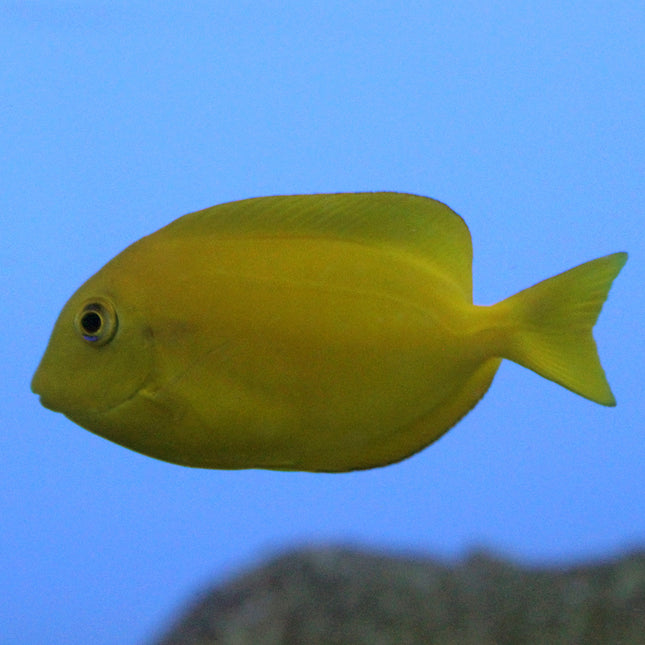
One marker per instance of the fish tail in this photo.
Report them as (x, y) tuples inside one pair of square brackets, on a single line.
[(552, 323)]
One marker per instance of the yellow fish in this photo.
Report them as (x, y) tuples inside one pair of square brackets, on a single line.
[(307, 332)]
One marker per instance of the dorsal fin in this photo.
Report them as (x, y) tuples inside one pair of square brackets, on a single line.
[(421, 226)]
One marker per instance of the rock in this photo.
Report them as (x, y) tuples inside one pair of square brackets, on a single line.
[(334, 596)]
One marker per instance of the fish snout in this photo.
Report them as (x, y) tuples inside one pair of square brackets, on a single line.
[(39, 387)]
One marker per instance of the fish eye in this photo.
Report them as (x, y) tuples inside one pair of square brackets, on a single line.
[(96, 321)]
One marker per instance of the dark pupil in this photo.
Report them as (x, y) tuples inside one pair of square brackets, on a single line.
[(91, 322)]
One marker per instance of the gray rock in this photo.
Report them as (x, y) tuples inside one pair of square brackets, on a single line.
[(338, 596)]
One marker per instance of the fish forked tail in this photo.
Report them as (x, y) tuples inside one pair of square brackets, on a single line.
[(552, 323)]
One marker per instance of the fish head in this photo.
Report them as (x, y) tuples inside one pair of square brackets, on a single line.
[(99, 355)]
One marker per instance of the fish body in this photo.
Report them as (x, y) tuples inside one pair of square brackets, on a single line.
[(307, 332)]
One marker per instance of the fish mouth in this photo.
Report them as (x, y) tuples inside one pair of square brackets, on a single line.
[(46, 404), (55, 404), (36, 389), (78, 391)]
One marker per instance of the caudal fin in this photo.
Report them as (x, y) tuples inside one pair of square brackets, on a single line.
[(552, 324)]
